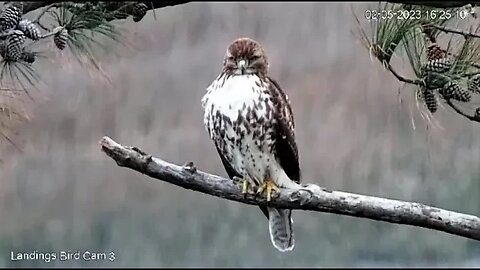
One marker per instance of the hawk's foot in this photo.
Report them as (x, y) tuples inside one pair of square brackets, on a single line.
[(268, 187), (244, 184)]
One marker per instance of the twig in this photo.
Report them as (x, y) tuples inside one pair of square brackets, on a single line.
[(44, 11), (455, 31), (57, 29), (42, 26), (475, 118), (311, 197), (389, 67), (11, 142), (53, 32)]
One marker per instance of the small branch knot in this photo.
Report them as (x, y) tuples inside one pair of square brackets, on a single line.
[(316, 188), (190, 167), (302, 196), (138, 150)]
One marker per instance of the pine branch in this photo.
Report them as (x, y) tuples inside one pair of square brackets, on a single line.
[(7, 33), (455, 31), (399, 77), (112, 6), (474, 117), (30, 6), (310, 197)]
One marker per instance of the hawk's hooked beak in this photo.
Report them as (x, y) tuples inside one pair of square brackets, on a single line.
[(242, 64)]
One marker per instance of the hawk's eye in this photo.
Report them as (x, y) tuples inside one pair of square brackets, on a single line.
[(255, 57), (230, 58)]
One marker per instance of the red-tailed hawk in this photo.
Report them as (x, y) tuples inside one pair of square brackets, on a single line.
[(250, 120)]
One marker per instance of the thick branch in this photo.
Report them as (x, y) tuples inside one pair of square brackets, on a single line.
[(310, 197), (31, 6)]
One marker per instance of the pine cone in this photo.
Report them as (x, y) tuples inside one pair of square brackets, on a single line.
[(434, 52), (438, 65), (9, 17), (30, 30), (435, 81), (139, 11), (430, 100), (14, 46), (453, 90), (474, 84), (3, 48), (28, 57), (60, 39)]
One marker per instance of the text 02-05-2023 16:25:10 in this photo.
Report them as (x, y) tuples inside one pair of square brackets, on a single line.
[(414, 14)]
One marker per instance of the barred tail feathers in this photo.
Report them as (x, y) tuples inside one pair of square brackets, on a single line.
[(280, 225)]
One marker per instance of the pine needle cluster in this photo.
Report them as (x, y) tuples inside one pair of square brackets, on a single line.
[(445, 61)]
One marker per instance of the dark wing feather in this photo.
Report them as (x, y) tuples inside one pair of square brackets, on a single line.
[(228, 168), (231, 173), (285, 149)]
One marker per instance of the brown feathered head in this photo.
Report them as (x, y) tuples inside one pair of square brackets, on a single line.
[(245, 56)]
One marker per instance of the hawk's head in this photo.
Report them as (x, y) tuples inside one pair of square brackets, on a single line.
[(245, 56)]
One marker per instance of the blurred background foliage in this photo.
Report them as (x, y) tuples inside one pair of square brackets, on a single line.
[(359, 130)]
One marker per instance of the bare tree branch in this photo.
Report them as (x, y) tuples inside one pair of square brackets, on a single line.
[(310, 197)]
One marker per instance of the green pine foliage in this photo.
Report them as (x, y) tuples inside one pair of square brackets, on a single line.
[(82, 28), (412, 39)]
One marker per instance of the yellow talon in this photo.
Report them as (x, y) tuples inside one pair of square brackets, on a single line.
[(269, 187), (245, 184)]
